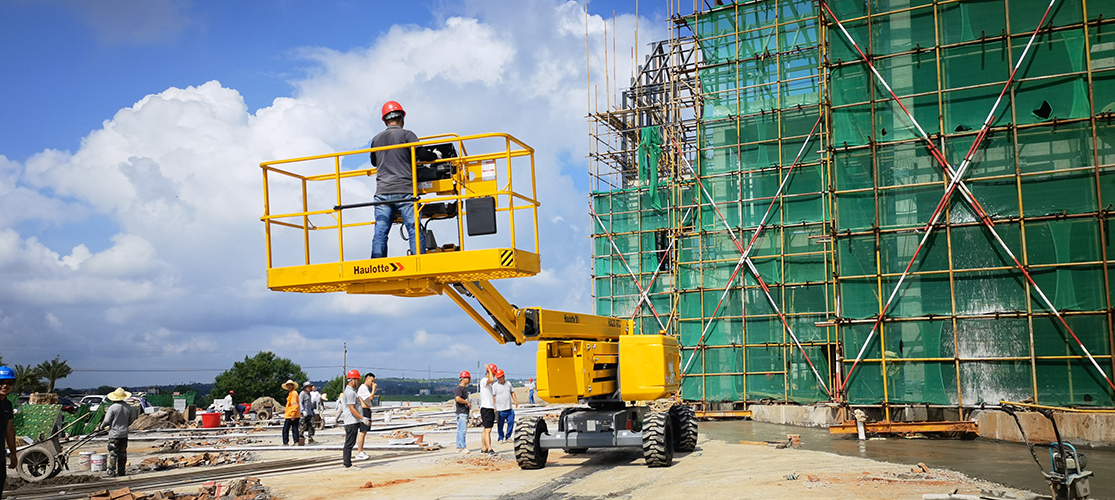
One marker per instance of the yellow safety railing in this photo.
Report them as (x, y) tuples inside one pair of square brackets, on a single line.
[(465, 182)]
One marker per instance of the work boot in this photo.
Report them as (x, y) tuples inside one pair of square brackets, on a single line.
[(301, 442)]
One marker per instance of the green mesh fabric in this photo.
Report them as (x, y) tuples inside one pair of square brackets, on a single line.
[(966, 327)]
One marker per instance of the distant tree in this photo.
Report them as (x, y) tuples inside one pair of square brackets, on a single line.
[(105, 389), (54, 370), (27, 379), (259, 375), (181, 389), (333, 388)]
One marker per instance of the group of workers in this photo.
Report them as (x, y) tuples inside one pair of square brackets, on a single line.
[(302, 409), (497, 407)]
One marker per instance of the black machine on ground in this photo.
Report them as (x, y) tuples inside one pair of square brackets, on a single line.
[(1068, 480)]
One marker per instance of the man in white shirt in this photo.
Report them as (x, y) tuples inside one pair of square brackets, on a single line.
[(366, 392), (350, 415), (228, 407), (487, 409), (504, 394), (530, 385)]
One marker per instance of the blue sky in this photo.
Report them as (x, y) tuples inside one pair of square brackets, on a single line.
[(130, 241)]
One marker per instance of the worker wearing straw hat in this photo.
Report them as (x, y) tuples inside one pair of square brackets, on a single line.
[(117, 419), (292, 414)]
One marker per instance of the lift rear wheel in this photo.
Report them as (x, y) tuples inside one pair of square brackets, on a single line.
[(528, 451), (685, 422), (37, 463), (658, 440)]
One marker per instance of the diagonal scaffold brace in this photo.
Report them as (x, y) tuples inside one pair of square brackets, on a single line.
[(634, 277), (746, 259), (955, 183)]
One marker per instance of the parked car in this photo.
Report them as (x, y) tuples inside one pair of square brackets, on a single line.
[(68, 405), (94, 401)]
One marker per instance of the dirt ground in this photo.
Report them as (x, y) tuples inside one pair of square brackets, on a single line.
[(715, 469)]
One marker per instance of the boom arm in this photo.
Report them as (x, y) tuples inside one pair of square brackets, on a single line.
[(518, 325)]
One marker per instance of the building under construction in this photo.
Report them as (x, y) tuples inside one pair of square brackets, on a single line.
[(888, 203)]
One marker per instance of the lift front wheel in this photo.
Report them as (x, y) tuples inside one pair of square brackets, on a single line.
[(528, 451), (658, 440)]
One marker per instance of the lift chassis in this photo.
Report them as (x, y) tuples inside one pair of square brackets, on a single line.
[(597, 361)]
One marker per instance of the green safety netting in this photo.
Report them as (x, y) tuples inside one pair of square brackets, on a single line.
[(870, 185)]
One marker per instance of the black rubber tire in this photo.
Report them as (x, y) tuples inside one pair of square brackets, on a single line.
[(658, 439), (528, 451), (574, 451), (36, 464), (263, 415), (685, 427)]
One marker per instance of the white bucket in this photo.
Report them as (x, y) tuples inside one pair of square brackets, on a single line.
[(97, 462), (83, 459)]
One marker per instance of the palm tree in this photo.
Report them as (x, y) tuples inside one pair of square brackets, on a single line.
[(53, 370), (27, 378)]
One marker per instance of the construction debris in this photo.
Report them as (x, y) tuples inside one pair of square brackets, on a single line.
[(163, 418), (483, 461), (159, 463), (248, 488), (174, 445)]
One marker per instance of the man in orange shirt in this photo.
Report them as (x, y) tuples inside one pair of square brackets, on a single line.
[(292, 415)]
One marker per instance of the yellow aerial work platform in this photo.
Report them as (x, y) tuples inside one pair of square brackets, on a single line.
[(459, 180), (479, 183), (581, 357)]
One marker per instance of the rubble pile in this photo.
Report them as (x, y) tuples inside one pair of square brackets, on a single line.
[(248, 488), (174, 445), (163, 418), (486, 462), (159, 463), (398, 435)]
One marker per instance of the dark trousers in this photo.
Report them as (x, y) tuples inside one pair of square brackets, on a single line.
[(351, 430), (308, 426), (290, 426), (117, 455)]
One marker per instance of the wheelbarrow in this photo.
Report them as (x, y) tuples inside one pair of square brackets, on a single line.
[(47, 458)]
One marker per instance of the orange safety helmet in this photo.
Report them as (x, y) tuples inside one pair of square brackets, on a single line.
[(353, 374), (390, 107), (499, 373), (492, 367), (465, 374)]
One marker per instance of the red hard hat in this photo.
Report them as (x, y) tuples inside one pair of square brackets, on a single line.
[(391, 107), (492, 367), (465, 374), (499, 373), (353, 374), (232, 392)]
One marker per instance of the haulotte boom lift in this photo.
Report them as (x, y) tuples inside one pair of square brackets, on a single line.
[(489, 194)]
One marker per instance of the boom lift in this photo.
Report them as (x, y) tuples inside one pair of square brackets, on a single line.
[(598, 361)]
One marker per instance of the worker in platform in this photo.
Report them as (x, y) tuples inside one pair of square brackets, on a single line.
[(506, 402), (350, 415), (7, 419), (117, 419), (292, 414), (367, 394), (306, 405), (394, 179), (487, 409), (462, 408)]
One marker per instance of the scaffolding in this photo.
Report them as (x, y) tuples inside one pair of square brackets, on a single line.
[(885, 203)]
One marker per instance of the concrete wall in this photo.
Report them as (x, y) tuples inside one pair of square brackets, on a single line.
[(803, 416), (1091, 429)]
